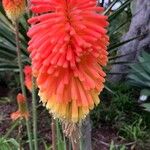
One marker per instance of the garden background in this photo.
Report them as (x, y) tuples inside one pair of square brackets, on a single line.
[(122, 119)]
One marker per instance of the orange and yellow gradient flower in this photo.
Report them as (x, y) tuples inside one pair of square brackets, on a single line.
[(14, 8), (28, 77), (22, 112), (68, 50)]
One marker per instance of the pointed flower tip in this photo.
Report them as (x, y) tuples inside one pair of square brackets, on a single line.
[(20, 98), (15, 115), (22, 112), (18, 115), (28, 77), (68, 50), (14, 8)]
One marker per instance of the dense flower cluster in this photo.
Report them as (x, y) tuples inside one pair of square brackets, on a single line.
[(68, 49), (22, 110), (14, 8)]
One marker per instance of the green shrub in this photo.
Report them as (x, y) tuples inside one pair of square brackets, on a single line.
[(115, 107), (135, 131), (8, 144)]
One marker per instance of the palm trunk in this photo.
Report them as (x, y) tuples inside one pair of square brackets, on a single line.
[(139, 27), (86, 134)]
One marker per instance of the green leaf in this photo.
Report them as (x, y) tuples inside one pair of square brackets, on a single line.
[(119, 10), (6, 67), (8, 144), (13, 142), (145, 92), (120, 56), (108, 89), (146, 106), (113, 46), (61, 143), (140, 72)]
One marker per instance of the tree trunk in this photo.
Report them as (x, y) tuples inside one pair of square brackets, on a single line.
[(140, 26)]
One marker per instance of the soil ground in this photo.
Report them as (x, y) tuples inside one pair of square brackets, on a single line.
[(101, 136)]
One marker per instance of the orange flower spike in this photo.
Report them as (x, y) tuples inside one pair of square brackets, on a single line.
[(68, 48), (14, 8), (28, 77), (22, 111)]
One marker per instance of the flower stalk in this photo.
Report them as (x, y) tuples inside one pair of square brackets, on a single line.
[(11, 129), (22, 79), (19, 134), (75, 139), (34, 106), (72, 131), (53, 127)]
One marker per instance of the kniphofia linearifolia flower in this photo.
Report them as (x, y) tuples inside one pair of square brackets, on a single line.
[(68, 48), (22, 112), (14, 8), (28, 77)]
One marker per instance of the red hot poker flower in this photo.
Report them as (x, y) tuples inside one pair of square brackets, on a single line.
[(68, 49), (28, 77), (14, 8), (22, 111)]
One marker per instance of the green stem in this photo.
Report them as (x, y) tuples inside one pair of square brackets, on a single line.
[(19, 134), (81, 143), (69, 145), (22, 80), (34, 107), (53, 126), (64, 140), (11, 129), (29, 134), (75, 139), (28, 9)]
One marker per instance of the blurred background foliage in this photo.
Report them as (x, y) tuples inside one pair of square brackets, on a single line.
[(121, 108)]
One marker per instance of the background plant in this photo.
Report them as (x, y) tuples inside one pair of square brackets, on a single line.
[(119, 103), (135, 131), (139, 76)]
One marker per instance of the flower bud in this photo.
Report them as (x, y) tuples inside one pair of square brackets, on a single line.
[(14, 8), (28, 77), (22, 111)]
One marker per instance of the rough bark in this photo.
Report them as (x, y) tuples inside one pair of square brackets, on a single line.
[(140, 26)]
